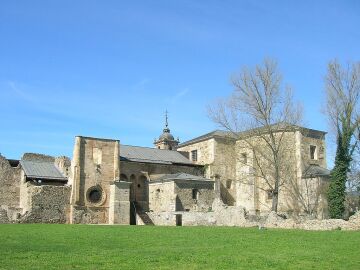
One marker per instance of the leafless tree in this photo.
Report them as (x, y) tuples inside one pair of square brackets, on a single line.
[(260, 113)]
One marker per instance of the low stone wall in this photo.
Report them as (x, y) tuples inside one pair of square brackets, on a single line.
[(275, 221), (221, 215), (89, 215), (46, 204)]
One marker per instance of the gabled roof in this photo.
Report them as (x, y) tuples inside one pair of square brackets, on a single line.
[(180, 176), (315, 171), (152, 155), (251, 132), (42, 170), (213, 134)]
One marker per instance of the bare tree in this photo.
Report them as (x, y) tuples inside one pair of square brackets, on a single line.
[(260, 113), (342, 99)]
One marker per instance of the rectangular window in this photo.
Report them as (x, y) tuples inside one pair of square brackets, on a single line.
[(195, 194), (313, 152), (243, 158), (194, 156)]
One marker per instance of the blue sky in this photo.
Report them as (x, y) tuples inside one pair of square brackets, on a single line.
[(111, 68)]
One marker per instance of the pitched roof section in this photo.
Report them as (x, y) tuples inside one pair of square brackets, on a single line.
[(233, 136), (180, 176), (314, 171), (152, 155), (213, 134), (42, 170)]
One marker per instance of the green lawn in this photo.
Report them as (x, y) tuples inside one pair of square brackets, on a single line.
[(24, 246)]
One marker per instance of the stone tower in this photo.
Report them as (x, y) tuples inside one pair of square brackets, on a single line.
[(166, 140)]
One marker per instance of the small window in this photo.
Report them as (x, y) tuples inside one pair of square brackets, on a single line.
[(313, 152), (228, 184), (269, 194), (244, 158), (195, 194), (194, 156)]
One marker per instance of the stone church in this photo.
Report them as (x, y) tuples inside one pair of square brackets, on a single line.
[(197, 182)]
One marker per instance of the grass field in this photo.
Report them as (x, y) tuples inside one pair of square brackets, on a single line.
[(43, 246)]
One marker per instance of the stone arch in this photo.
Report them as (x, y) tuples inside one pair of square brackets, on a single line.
[(123, 177)]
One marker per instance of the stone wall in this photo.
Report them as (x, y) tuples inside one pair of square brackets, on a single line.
[(275, 221), (119, 209), (162, 196), (9, 184), (37, 157), (316, 139), (178, 195), (64, 165), (205, 151), (46, 204), (186, 191), (221, 215)]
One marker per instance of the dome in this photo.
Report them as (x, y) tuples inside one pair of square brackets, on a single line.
[(166, 136)]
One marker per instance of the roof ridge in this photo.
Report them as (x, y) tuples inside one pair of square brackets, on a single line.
[(37, 161), (148, 147)]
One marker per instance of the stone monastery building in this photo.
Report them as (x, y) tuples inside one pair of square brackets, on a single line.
[(204, 181)]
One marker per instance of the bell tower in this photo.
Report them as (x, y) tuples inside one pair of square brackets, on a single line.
[(166, 139)]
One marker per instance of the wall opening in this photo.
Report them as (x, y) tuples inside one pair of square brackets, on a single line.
[(194, 155), (313, 152), (178, 220), (195, 194)]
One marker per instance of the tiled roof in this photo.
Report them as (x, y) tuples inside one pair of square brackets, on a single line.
[(152, 155), (42, 170)]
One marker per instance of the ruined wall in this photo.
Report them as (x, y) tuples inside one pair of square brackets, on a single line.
[(46, 204), (37, 157), (95, 167), (9, 184), (220, 215), (204, 193), (179, 196), (64, 165)]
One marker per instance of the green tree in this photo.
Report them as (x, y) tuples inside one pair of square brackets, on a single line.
[(342, 92)]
